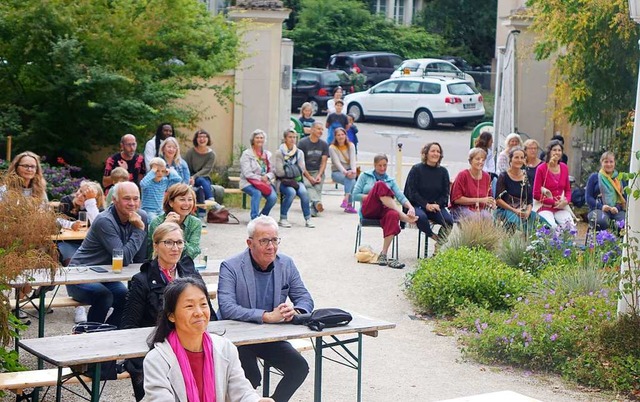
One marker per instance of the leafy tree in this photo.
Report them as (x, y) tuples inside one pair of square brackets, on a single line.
[(468, 27), (80, 73), (596, 56), (329, 26)]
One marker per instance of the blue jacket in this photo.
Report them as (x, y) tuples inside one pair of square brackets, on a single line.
[(367, 180), (592, 192), (237, 292)]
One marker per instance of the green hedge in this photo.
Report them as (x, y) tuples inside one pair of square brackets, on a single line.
[(458, 277)]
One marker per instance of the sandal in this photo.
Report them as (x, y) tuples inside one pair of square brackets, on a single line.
[(382, 259), (395, 264)]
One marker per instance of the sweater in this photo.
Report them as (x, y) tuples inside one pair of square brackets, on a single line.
[(192, 229), (427, 185), (338, 161), (558, 184), (107, 233), (200, 164), (153, 191)]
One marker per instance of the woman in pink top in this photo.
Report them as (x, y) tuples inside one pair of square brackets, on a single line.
[(471, 190), (551, 188)]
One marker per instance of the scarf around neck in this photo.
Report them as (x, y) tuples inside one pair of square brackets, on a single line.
[(208, 371), (288, 153), (611, 189)]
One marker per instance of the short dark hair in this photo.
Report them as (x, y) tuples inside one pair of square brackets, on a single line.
[(195, 137), (339, 101), (158, 137), (171, 295)]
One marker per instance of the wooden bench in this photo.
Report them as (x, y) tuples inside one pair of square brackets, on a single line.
[(49, 302), (236, 181), (18, 381)]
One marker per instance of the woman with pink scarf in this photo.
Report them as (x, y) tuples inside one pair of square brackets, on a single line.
[(187, 364)]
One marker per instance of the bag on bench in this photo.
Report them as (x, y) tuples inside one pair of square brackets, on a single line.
[(323, 318), (108, 370)]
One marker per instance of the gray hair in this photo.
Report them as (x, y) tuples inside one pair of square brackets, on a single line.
[(473, 152), (257, 133), (116, 188), (262, 220)]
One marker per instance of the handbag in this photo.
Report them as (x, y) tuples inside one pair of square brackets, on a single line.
[(323, 318), (290, 183), (265, 188), (108, 370), (221, 215)]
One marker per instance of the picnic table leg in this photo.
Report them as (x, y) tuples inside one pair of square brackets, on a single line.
[(59, 386), (317, 382), (359, 366), (95, 383), (42, 311)]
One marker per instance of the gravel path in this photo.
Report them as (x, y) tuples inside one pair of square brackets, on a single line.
[(408, 363)]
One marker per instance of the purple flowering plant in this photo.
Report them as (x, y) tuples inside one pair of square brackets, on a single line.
[(60, 179)]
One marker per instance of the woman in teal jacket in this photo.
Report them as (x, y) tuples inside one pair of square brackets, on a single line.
[(376, 192)]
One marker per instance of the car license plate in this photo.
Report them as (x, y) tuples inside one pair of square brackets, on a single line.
[(469, 106)]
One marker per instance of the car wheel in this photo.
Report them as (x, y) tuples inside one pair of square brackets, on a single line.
[(423, 119), (314, 107), (356, 111)]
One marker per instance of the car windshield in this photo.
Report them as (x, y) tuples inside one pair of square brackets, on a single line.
[(461, 88), (334, 78), (410, 65)]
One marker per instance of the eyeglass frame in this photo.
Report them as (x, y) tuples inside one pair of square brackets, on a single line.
[(28, 167), (265, 242), (171, 243)]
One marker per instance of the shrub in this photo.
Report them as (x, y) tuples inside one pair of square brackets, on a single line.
[(513, 250), (476, 230), (573, 279), (60, 180), (458, 277), (541, 332)]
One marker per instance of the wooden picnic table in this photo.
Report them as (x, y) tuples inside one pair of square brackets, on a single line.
[(77, 350), (68, 235), (78, 275)]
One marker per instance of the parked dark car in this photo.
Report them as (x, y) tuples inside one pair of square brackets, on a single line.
[(481, 74), (316, 86), (376, 66)]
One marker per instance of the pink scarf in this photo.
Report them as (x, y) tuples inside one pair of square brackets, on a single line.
[(208, 375)]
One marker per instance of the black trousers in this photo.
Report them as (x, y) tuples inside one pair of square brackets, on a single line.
[(280, 355)]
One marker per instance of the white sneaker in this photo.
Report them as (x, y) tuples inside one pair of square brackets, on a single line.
[(284, 223), (80, 315), (309, 224)]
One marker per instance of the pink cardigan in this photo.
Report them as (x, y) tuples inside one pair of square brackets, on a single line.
[(557, 184)]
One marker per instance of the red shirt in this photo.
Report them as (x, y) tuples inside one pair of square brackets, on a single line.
[(466, 186), (196, 361)]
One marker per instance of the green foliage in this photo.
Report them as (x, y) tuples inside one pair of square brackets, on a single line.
[(476, 230), (358, 80), (459, 277), (594, 44), (543, 333), (78, 74), (330, 26), (468, 27), (573, 279), (513, 250)]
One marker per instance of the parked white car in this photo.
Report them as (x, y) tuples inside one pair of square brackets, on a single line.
[(425, 100), (430, 68)]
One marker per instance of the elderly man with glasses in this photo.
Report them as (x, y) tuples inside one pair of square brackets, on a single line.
[(253, 287), (128, 159)]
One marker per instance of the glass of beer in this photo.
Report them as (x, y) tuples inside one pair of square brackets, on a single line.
[(117, 262)]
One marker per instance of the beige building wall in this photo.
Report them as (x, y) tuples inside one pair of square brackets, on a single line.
[(217, 120), (535, 103)]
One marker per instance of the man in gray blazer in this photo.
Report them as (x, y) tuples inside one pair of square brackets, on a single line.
[(253, 287)]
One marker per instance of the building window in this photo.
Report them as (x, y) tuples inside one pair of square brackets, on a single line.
[(398, 14)]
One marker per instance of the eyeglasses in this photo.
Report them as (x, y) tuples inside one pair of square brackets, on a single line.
[(171, 243), (265, 242), (28, 167), (130, 144)]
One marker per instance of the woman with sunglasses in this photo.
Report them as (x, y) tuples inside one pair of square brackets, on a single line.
[(145, 296)]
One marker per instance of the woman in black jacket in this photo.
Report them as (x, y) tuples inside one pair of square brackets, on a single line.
[(145, 296)]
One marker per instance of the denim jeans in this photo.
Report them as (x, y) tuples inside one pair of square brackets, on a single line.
[(101, 296), (205, 183), (256, 196), (348, 184), (289, 194)]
